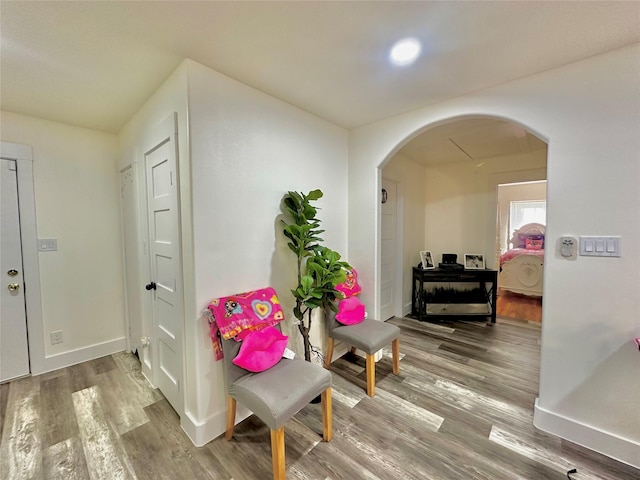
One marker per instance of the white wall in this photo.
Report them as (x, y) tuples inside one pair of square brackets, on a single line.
[(461, 202), (247, 150), (589, 114), (411, 179), (76, 196)]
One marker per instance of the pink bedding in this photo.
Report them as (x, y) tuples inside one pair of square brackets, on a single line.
[(514, 252)]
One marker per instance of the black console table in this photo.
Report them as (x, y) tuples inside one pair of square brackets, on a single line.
[(422, 276)]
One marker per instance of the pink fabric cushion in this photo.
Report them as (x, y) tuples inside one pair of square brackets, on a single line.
[(261, 350), (533, 244), (350, 286), (238, 315), (350, 311)]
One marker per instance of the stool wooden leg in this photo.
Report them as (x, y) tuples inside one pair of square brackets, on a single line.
[(231, 417), (277, 454), (327, 419), (395, 352), (327, 358), (371, 375), (353, 350)]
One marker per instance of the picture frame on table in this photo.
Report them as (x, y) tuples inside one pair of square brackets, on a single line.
[(473, 261), (427, 260)]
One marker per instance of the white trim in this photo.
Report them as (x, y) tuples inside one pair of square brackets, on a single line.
[(201, 433), (84, 354), (23, 156), (622, 449)]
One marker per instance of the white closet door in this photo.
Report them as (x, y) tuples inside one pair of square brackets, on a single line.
[(388, 228), (14, 350), (164, 248)]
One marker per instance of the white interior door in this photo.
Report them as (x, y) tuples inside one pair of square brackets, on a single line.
[(165, 285), (14, 350), (388, 228)]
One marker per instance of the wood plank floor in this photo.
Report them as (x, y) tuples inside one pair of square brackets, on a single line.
[(521, 307), (461, 408)]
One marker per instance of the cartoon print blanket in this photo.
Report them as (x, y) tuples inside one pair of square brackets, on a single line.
[(236, 316)]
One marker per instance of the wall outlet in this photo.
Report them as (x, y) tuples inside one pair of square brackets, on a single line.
[(56, 337)]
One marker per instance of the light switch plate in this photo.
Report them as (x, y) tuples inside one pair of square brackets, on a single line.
[(592, 246), (47, 244)]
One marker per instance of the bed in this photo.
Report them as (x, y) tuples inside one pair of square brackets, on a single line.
[(522, 266)]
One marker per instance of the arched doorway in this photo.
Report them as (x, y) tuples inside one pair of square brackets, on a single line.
[(449, 174)]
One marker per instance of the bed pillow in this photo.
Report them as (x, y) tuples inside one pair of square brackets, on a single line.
[(350, 286), (523, 237), (533, 244), (261, 350), (350, 311)]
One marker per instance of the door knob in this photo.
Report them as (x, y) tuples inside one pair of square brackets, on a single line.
[(150, 286), (12, 273), (13, 287)]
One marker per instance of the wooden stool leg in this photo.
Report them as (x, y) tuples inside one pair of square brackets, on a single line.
[(353, 350), (395, 351), (327, 419), (371, 375), (231, 417), (277, 454), (327, 358)]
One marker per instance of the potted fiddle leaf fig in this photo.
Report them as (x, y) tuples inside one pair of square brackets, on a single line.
[(319, 268)]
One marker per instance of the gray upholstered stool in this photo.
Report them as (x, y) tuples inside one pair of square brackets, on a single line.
[(275, 395), (368, 336)]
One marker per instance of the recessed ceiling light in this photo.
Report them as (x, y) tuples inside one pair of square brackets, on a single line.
[(405, 51)]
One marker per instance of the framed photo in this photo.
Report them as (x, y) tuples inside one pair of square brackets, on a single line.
[(473, 261), (427, 260)]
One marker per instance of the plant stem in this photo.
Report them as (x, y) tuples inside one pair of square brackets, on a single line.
[(305, 330)]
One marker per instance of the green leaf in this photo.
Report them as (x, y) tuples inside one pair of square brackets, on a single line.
[(306, 282), (314, 194), (309, 212)]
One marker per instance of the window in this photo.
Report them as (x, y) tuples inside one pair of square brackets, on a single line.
[(527, 211)]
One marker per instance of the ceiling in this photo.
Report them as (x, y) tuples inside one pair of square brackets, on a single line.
[(471, 140), (93, 64)]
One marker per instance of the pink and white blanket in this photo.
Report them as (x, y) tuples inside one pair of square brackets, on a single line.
[(515, 252)]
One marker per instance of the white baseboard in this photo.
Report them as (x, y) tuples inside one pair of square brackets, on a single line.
[(406, 310), (201, 433), (79, 355), (622, 449)]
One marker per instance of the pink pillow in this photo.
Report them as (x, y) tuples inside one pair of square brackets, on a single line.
[(350, 311), (533, 244), (261, 350), (350, 286)]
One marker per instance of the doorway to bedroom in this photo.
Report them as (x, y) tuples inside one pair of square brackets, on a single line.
[(449, 174), (520, 235)]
